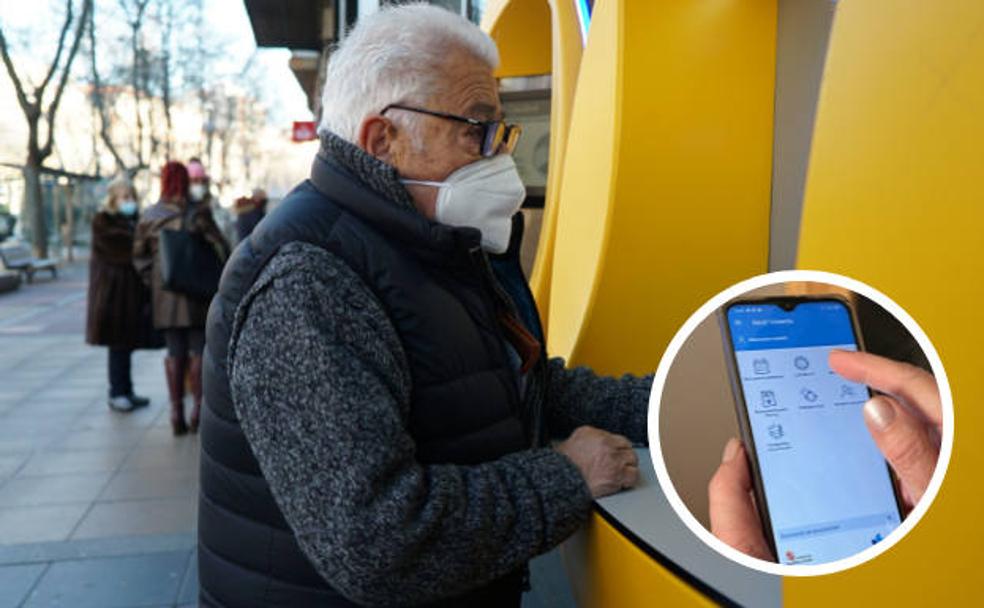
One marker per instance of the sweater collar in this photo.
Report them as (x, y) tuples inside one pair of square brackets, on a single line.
[(382, 177)]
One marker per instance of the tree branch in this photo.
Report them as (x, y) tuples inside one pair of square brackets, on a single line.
[(18, 86), (53, 108), (98, 100), (39, 90)]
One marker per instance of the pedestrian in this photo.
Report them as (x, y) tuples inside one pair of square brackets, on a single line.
[(249, 211), (181, 317), (118, 304), (381, 410), (198, 182)]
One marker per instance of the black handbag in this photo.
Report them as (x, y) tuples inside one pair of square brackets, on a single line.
[(189, 263)]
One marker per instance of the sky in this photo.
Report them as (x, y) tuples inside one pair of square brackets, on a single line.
[(229, 21)]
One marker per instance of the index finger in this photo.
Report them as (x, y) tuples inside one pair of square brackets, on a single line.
[(913, 385)]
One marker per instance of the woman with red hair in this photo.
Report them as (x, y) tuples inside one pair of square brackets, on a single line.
[(181, 317)]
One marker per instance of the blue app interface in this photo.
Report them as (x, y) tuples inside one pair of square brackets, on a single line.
[(827, 487)]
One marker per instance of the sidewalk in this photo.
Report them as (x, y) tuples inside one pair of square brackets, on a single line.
[(97, 508)]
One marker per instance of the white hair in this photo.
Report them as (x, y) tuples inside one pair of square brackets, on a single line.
[(394, 55)]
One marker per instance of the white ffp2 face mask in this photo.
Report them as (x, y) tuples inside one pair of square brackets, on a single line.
[(197, 192), (484, 194)]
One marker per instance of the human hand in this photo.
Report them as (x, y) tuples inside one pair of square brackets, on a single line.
[(606, 461), (906, 425), (906, 422), (734, 518)]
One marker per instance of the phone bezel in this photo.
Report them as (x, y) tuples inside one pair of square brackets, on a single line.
[(741, 407)]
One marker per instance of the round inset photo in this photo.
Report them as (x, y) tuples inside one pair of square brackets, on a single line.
[(800, 423)]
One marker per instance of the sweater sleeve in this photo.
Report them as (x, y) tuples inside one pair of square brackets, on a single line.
[(578, 396), (321, 387)]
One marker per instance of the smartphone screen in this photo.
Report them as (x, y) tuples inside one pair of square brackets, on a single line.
[(827, 489)]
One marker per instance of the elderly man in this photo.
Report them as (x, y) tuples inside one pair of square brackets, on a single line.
[(379, 407)]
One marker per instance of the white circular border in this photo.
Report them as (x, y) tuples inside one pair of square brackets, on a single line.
[(709, 308)]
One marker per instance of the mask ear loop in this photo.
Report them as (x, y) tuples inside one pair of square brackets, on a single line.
[(421, 182)]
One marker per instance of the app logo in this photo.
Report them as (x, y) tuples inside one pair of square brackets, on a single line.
[(768, 398), (775, 431), (809, 395), (801, 363), (761, 366), (877, 538)]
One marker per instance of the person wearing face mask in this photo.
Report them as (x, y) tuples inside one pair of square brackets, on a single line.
[(198, 183), (380, 409), (179, 316), (118, 304)]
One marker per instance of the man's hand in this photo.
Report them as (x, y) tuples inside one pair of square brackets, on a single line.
[(607, 461), (906, 425)]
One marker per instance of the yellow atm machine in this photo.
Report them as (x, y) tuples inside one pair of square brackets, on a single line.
[(661, 192)]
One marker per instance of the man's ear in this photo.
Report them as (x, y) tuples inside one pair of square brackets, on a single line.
[(376, 136)]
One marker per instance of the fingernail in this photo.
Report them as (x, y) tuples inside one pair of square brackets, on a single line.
[(730, 449), (879, 413)]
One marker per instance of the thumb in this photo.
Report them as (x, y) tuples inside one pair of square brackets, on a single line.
[(734, 519), (904, 441)]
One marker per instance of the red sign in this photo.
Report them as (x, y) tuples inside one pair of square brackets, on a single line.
[(304, 130)]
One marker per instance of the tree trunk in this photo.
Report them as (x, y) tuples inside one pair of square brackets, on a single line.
[(34, 208)]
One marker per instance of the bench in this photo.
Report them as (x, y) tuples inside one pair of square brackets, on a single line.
[(18, 257), (9, 280)]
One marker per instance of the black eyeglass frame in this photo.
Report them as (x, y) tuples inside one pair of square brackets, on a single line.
[(495, 133)]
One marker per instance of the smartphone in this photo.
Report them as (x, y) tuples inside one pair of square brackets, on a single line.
[(822, 488)]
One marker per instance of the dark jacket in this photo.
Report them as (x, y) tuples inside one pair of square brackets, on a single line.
[(248, 215), (440, 494), (118, 304), (171, 309)]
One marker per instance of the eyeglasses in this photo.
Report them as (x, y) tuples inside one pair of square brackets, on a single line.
[(497, 136)]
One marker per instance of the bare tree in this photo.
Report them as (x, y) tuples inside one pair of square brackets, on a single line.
[(32, 105), (166, 17), (135, 11), (99, 103)]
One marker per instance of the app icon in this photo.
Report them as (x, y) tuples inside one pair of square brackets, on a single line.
[(761, 366), (775, 431), (768, 398), (801, 363), (809, 395), (847, 390), (877, 538)]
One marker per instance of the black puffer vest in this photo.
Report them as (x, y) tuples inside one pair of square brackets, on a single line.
[(440, 292)]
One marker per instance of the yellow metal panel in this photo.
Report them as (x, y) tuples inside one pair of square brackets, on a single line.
[(520, 28), (608, 570), (894, 199), (666, 181)]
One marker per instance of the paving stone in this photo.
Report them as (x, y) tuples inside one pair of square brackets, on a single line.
[(189, 587), (38, 524), (57, 462), (151, 483), (85, 439), (181, 454), (52, 490), (11, 461), (118, 582), (16, 582), (136, 517)]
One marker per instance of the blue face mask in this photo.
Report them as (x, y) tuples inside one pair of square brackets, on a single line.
[(129, 207)]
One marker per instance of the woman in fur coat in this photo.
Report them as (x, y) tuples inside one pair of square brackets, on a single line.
[(118, 304)]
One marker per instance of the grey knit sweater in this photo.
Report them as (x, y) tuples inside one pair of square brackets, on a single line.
[(321, 387)]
